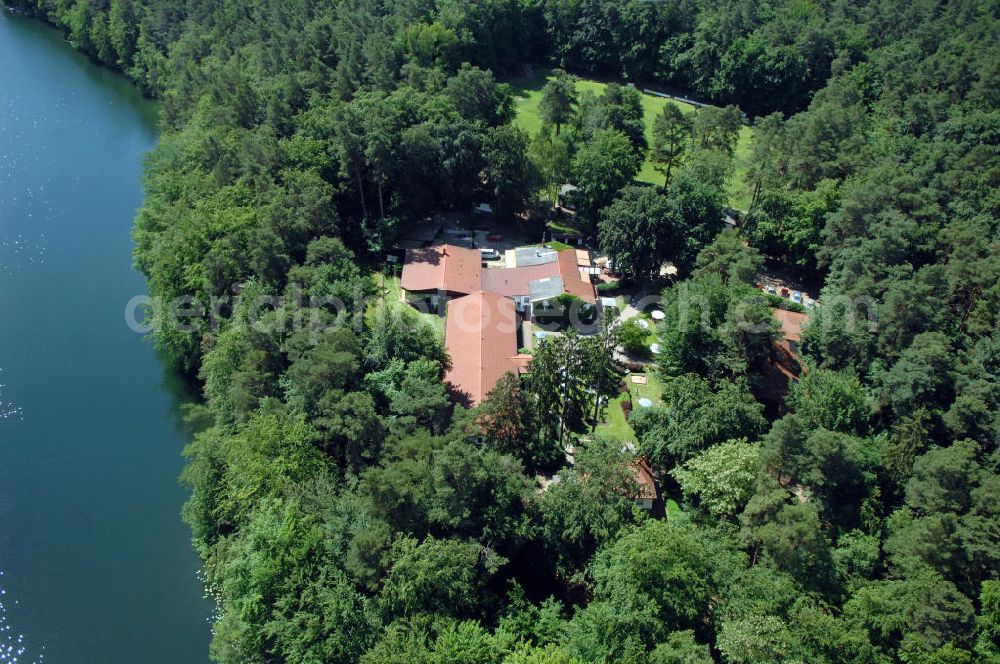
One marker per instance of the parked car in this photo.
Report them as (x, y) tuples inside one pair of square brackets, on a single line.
[(490, 254), (771, 290), (797, 297)]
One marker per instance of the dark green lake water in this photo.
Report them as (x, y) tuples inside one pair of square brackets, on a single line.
[(96, 565)]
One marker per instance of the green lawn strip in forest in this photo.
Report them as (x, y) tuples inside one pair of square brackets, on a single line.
[(528, 93), (739, 193), (674, 511)]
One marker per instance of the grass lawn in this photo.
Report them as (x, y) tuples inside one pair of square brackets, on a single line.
[(652, 390), (528, 92), (674, 511), (393, 296), (739, 193), (568, 224), (615, 425)]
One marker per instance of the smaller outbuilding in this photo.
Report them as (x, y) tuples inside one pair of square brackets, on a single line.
[(646, 493)]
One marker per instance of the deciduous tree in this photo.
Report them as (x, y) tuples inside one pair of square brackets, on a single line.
[(602, 167), (721, 477)]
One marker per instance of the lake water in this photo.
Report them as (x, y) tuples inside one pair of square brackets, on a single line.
[(96, 566)]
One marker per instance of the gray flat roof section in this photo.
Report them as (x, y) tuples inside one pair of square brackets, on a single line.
[(525, 256), (545, 289), (424, 231)]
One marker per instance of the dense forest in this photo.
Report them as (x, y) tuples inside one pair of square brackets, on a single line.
[(347, 511)]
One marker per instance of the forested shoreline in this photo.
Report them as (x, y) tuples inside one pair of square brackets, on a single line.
[(346, 510)]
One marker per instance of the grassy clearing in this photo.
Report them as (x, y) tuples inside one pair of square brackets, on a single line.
[(568, 224), (674, 512), (739, 193), (393, 295), (652, 390), (615, 425), (528, 93)]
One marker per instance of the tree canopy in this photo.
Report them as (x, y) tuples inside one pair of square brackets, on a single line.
[(346, 510)]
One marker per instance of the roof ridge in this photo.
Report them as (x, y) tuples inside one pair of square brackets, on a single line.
[(481, 365)]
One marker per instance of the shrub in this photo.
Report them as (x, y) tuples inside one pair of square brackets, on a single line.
[(609, 286), (779, 302), (634, 338)]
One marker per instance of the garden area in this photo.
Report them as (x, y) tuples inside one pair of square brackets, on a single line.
[(639, 385)]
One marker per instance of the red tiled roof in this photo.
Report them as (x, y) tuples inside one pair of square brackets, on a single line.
[(644, 478), (443, 267), (574, 283), (785, 362), (459, 270), (784, 366), (791, 323), (513, 281), (481, 338), (521, 362)]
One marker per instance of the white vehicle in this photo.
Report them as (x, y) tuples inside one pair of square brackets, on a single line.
[(490, 254), (797, 297), (771, 290)]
